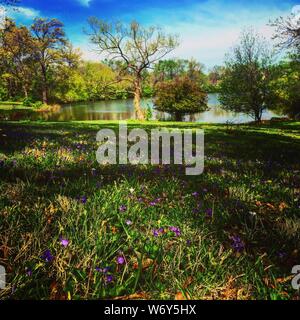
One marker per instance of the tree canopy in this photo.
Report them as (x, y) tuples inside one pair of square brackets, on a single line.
[(180, 96), (245, 86)]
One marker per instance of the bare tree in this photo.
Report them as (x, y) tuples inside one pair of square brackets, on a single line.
[(288, 31), (138, 47)]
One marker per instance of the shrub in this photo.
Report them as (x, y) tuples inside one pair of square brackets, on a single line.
[(180, 96)]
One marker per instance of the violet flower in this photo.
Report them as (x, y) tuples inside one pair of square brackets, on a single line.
[(83, 199), (176, 231), (109, 278), (64, 242), (237, 244), (122, 208), (47, 256), (120, 260), (209, 213)]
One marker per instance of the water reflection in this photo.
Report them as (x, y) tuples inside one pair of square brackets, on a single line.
[(123, 110)]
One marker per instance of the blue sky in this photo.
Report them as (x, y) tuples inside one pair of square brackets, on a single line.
[(206, 28)]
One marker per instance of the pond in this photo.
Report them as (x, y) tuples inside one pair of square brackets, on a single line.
[(123, 110)]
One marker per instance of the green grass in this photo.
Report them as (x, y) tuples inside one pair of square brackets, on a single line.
[(12, 106), (251, 183), (11, 103)]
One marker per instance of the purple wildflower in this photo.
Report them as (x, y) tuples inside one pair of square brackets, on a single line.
[(281, 254), (64, 242), (120, 260), (129, 222), (237, 244), (209, 213), (102, 270), (155, 233), (176, 231), (109, 278), (195, 194), (154, 202), (105, 269), (122, 208), (47, 256), (83, 199), (28, 272)]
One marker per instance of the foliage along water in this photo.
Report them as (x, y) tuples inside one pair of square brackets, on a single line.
[(123, 110)]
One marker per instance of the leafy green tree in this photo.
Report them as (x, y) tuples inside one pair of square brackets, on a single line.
[(137, 47), (214, 78), (180, 96), (287, 86), (48, 43), (169, 69), (287, 83), (246, 83), (67, 83), (102, 81), (172, 68), (16, 54), (215, 74)]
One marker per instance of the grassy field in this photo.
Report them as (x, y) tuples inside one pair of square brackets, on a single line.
[(70, 229)]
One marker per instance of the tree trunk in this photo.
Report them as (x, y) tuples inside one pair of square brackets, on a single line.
[(258, 115), (137, 99), (45, 96), (45, 87), (25, 91), (178, 116)]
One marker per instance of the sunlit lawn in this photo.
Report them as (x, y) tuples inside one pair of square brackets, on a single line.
[(70, 229)]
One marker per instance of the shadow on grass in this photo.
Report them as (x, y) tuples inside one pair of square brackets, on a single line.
[(250, 155)]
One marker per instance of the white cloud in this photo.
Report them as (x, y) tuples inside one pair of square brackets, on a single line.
[(27, 12), (89, 53), (21, 13), (296, 9), (208, 30), (296, 12), (85, 3), (2, 15)]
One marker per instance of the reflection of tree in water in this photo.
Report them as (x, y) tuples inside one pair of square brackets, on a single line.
[(123, 110), (219, 112), (192, 118)]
